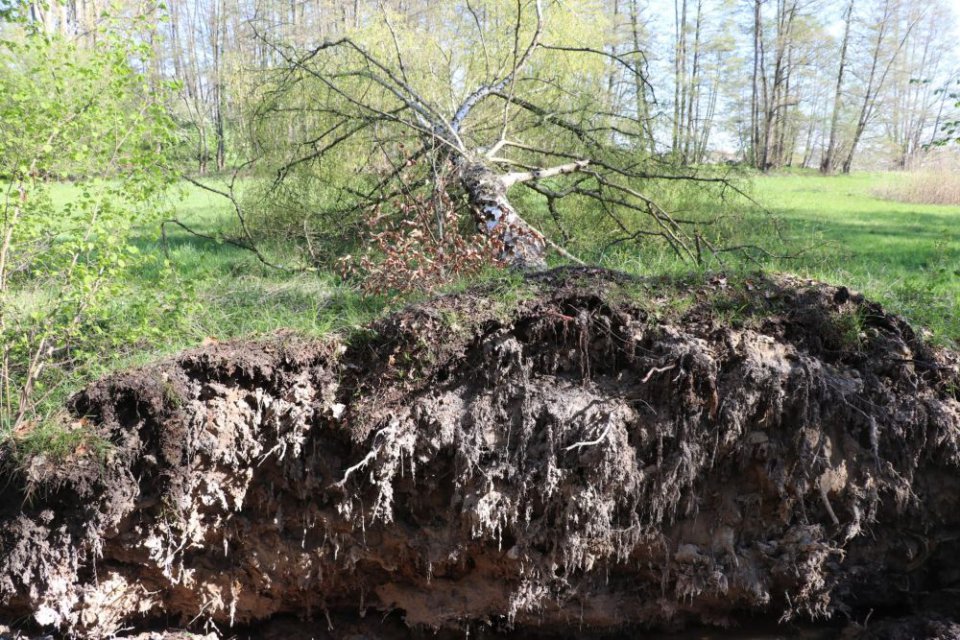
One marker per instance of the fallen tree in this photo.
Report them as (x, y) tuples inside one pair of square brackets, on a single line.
[(578, 453), (390, 114)]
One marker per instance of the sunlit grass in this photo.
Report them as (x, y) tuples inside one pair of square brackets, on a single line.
[(905, 255), (836, 229)]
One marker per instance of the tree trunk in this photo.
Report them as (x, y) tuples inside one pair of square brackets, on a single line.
[(640, 82), (680, 72), (705, 130), (521, 246), (827, 163), (218, 40), (875, 84), (755, 86), (693, 91), (868, 94)]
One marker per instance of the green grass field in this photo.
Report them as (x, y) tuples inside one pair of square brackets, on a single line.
[(226, 292), (906, 256)]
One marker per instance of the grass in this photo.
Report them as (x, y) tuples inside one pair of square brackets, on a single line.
[(229, 292), (840, 230), (906, 256)]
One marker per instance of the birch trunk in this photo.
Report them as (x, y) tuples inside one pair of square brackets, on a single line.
[(522, 246)]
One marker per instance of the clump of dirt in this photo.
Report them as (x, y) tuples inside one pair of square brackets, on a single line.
[(580, 452)]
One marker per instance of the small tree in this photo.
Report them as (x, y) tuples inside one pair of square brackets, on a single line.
[(88, 117)]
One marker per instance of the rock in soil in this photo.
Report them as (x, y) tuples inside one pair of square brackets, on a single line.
[(575, 454)]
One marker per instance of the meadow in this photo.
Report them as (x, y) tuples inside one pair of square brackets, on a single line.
[(836, 229), (904, 255)]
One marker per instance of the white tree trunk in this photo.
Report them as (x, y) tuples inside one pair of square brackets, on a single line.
[(522, 246)]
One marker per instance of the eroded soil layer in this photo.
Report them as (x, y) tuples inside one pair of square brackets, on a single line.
[(576, 453)]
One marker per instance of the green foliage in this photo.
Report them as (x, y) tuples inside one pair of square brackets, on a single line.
[(951, 128), (88, 116)]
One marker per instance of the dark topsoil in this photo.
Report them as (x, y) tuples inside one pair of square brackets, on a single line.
[(578, 454)]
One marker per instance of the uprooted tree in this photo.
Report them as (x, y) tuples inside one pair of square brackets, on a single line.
[(515, 101)]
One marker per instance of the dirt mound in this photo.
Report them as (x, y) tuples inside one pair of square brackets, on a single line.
[(576, 452)]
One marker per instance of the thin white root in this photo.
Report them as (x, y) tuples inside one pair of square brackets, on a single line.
[(383, 436), (655, 371), (827, 505), (591, 443), (360, 465)]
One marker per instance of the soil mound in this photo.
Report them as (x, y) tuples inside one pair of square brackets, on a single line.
[(574, 453)]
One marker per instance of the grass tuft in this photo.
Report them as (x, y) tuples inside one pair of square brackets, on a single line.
[(58, 437)]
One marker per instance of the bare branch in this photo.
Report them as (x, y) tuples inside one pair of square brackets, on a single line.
[(618, 58), (230, 241), (546, 115), (526, 176), (430, 121), (230, 195), (496, 87), (483, 39)]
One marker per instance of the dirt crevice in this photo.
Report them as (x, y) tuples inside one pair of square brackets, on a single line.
[(589, 456)]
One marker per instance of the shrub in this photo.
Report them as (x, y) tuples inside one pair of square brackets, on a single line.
[(91, 117)]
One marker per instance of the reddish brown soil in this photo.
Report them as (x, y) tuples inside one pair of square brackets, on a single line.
[(591, 458)]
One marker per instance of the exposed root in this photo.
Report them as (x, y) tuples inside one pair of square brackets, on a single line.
[(581, 459)]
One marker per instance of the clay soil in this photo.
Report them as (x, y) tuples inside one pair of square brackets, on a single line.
[(579, 454)]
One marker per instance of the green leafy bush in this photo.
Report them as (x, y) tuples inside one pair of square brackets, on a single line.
[(91, 117)]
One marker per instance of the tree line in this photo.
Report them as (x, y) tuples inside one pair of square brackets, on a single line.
[(771, 83)]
